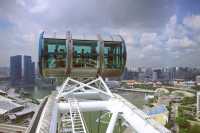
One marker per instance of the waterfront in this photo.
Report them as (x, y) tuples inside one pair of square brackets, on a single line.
[(37, 92)]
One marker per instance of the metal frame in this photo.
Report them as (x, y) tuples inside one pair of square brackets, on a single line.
[(117, 105), (102, 88)]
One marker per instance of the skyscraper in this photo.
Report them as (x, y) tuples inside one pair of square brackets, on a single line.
[(155, 76), (29, 70), (16, 69), (172, 73)]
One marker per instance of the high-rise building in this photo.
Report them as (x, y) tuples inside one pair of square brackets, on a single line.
[(15, 69), (148, 74), (172, 73), (155, 76), (198, 103), (29, 70)]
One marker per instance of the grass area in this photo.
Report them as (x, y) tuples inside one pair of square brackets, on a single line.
[(98, 126), (186, 116), (144, 86)]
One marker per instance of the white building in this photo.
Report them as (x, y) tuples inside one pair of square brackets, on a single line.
[(198, 102), (198, 80)]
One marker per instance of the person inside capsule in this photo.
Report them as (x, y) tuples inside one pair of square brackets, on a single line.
[(61, 58), (110, 58), (82, 58), (52, 61)]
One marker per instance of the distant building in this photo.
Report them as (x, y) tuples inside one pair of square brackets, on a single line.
[(198, 80), (172, 73), (141, 76), (155, 76), (148, 74), (7, 106), (29, 70), (198, 103), (15, 69), (189, 84), (182, 83), (4, 72)]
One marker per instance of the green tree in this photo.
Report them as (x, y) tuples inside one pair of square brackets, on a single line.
[(182, 122)]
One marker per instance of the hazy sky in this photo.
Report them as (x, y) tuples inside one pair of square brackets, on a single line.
[(157, 32)]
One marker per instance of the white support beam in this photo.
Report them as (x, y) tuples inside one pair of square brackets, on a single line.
[(106, 87), (136, 119), (82, 85), (112, 122)]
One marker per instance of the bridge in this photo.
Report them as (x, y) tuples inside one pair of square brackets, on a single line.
[(63, 110)]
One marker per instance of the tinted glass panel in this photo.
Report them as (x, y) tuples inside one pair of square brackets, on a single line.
[(85, 54), (56, 54), (112, 55)]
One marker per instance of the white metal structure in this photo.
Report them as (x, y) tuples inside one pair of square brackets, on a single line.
[(77, 122), (94, 95)]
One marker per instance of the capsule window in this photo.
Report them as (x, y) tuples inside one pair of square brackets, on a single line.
[(112, 55), (56, 54), (85, 54)]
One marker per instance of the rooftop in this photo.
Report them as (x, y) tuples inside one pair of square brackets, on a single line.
[(6, 105), (156, 110)]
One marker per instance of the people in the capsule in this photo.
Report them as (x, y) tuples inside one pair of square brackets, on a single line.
[(82, 56), (94, 55), (57, 59), (110, 58), (87, 59), (61, 58), (75, 56), (52, 61)]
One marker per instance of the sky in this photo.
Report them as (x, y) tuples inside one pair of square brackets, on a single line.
[(158, 33)]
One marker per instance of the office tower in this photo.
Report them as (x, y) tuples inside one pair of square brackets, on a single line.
[(15, 69), (172, 73), (148, 74), (155, 76), (29, 70)]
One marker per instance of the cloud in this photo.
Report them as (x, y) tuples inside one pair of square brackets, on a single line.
[(176, 45), (180, 44), (149, 39), (192, 22), (152, 31)]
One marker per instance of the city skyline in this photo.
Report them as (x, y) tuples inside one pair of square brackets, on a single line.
[(157, 33)]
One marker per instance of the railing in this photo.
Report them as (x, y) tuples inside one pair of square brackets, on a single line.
[(78, 125)]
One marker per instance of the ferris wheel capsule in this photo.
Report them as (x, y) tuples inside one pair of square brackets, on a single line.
[(81, 55)]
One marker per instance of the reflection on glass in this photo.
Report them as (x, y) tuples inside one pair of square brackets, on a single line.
[(56, 57), (112, 55), (85, 54)]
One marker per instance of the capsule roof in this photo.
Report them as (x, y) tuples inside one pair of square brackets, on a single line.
[(84, 37)]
